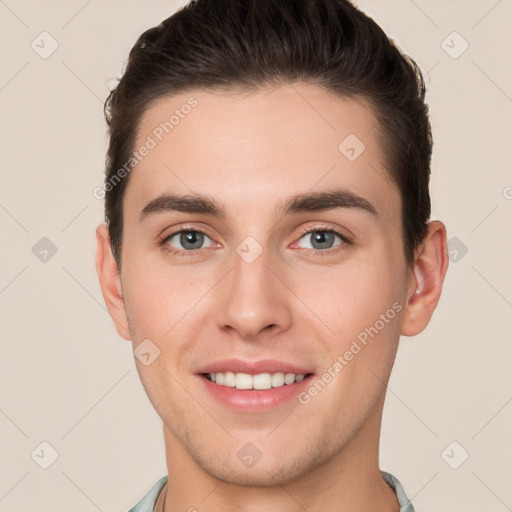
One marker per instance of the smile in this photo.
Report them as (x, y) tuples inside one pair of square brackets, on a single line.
[(253, 386)]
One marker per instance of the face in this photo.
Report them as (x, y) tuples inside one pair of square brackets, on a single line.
[(278, 284)]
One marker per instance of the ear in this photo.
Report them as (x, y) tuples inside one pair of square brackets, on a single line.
[(110, 281), (426, 280)]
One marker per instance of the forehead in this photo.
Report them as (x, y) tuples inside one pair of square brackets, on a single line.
[(247, 148)]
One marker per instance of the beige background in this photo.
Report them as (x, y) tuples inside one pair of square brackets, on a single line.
[(68, 379)]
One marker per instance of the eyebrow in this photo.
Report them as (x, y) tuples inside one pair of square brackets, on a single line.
[(298, 203)]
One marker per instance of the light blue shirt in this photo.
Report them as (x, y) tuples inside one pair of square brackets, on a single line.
[(147, 504)]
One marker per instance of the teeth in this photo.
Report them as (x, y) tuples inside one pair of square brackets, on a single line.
[(277, 379), (243, 381), (262, 381), (289, 378), (229, 379), (259, 381)]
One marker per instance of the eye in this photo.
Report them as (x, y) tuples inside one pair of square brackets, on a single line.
[(323, 239), (187, 239), (189, 242)]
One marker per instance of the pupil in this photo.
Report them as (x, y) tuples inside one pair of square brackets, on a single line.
[(323, 237), (191, 237)]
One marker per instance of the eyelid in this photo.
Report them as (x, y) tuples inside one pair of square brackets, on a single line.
[(184, 228), (337, 231)]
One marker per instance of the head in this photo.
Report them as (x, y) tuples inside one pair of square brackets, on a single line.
[(268, 126)]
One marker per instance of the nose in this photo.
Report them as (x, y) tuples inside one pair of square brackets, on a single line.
[(253, 299)]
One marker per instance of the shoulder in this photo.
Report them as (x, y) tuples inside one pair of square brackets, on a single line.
[(403, 500), (147, 503)]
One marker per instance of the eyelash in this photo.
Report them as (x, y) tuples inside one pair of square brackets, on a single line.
[(196, 252)]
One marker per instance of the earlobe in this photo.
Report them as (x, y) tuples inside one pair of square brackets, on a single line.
[(110, 281), (426, 280)]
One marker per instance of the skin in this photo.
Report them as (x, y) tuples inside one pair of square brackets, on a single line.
[(250, 151)]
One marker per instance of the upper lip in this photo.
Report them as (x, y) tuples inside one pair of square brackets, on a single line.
[(252, 367)]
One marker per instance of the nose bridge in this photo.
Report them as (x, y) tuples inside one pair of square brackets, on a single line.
[(252, 299)]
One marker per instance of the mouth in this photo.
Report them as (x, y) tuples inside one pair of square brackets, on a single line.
[(249, 386)]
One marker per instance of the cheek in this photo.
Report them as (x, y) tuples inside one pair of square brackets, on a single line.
[(350, 297), (153, 297), (361, 305), (163, 299)]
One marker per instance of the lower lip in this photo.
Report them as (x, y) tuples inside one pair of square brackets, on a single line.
[(254, 400)]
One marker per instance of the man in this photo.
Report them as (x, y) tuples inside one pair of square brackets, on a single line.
[(267, 241)]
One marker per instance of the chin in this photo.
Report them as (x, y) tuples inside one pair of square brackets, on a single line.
[(265, 472), (261, 477)]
